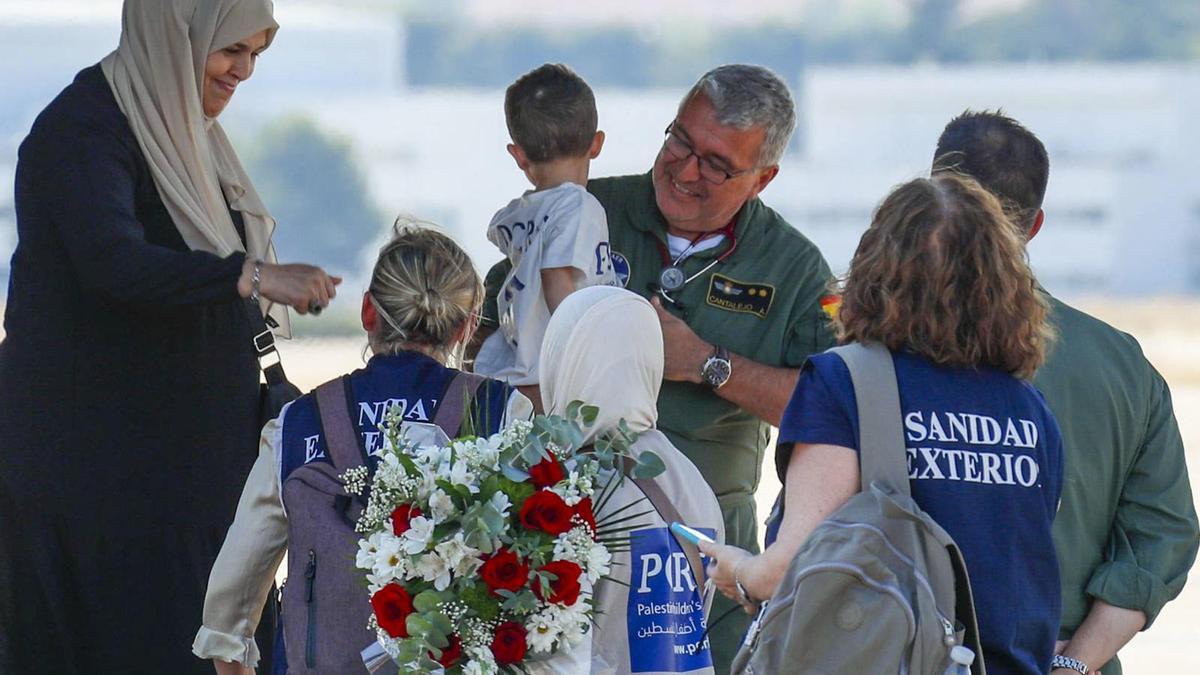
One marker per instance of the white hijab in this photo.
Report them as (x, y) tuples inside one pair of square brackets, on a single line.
[(156, 75), (604, 346)]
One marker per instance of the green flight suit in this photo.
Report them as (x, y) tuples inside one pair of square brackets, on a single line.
[(1126, 530), (762, 302)]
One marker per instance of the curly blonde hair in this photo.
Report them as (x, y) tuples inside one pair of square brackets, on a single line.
[(942, 272)]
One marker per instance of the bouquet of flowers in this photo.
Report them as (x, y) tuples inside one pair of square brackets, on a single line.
[(480, 554)]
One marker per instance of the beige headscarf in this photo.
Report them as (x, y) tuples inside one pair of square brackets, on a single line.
[(156, 74), (604, 346)]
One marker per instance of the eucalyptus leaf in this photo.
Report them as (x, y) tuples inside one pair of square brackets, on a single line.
[(648, 465), (524, 602), (573, 409), (590, 413), (441, 625), (427, 601), (513, 473), (418, 626)]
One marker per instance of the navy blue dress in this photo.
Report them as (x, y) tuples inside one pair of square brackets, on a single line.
[(128, 406)]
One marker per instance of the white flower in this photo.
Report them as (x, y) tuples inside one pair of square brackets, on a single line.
[(376, 582), (433, 568), (390, 563), (599, 562), (501, 503), (575, 487), (368, 550), (460, 474), (489, 451), (426, 484), (416, 538), (480, 661), (441, 505), (516, 432), (542, 631), (573, 632), (431, 455), (462, 559)]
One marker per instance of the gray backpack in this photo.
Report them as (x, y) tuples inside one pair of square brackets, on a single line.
[(325, 603), (878, 587)]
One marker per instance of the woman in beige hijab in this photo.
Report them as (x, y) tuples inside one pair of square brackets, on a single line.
[(604, 346), (128, 377)]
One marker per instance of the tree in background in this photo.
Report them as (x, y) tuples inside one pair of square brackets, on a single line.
[(318, 194), (443, 50)]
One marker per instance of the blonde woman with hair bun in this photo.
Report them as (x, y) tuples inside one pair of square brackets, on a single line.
[(421, 307)]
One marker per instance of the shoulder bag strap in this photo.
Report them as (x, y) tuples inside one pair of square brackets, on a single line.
[(667, 511), (453, 407), (335, 403), (264, 343), (882, 456)]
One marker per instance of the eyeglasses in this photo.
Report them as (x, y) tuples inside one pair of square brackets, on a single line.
[(710, 171)]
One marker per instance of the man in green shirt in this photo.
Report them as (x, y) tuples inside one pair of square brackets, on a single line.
[(1126, 530), (738, 289)]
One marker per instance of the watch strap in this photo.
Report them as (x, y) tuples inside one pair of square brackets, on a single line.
[(1060, 661)]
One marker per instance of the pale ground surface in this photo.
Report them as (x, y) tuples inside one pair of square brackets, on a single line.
[(1168, 331)]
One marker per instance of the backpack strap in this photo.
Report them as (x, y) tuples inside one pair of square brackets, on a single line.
[(883, 458), (881, 452), (335, 406), (667, 511), (452, 410)]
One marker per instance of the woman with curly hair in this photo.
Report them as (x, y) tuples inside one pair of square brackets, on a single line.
[(940, 278)]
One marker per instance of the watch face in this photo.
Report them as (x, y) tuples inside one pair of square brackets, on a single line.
[(716, 371)]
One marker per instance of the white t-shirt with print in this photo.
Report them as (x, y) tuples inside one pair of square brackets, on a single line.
[(563, 226)]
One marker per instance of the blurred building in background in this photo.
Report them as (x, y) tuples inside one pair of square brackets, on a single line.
[(1123, 208)]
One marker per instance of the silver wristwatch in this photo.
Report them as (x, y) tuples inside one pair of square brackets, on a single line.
[(1060, 661), (717, 368)]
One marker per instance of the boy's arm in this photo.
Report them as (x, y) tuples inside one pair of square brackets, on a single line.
[(489, 319), (557, 284)]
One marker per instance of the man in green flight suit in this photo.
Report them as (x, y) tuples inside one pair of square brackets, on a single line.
[(738, 290), (1126, 531)]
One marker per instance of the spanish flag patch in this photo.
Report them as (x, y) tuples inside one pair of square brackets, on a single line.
[(831, 304)]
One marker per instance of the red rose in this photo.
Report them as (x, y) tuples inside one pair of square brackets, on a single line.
[(392, 605), (402, 518), (564, 590), (451, 653), (584, 510), (504, 570), (546, 511), (509, 645), (546, 472)]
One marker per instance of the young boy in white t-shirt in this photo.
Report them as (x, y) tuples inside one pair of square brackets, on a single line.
[(556, 235)]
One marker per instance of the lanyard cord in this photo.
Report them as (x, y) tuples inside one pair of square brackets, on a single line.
[(690, 246), (728, 231)]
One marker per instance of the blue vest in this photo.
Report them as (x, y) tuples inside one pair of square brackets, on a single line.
[(410, 381)]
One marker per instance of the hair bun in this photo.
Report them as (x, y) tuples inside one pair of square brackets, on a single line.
[(428, 301)]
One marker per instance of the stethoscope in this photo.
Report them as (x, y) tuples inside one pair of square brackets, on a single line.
[(672, 277)]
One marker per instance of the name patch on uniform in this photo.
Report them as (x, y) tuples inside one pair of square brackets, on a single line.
[(740, 296)]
